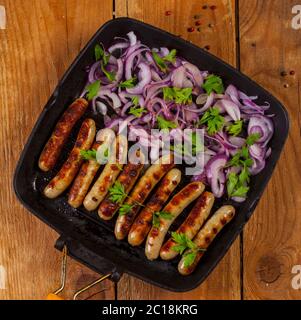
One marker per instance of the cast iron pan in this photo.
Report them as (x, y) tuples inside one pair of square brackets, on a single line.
[(91, 240)]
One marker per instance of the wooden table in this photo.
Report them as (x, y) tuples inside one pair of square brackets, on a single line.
[(41, 39)]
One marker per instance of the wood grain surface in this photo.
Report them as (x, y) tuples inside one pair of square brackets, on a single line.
[(269, 47), (41, 39), (216, 33)]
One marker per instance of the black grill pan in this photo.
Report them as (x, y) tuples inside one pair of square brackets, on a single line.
[(91, 240)]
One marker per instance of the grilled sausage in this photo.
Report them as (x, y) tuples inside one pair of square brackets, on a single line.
[(71, 166), (53, 147), (127, 179), (143, 188), (88, 170), (191, 225), (143, 222), (206, 235), (108, 175), (175, 206)]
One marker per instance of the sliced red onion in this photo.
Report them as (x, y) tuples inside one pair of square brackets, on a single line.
[(195, 72), (202, 98), (125, 108), (118, 45), (92, 77), (179, 79), (237, 141), (164, 51), (232, 92), (257, 151), (216, 175), (155, 75), (231, 108), (145, 78), (238, 199), (258, 166), (130, 61), (113, 96), (243, 96), (132, 37), (266, 128), (208, 103), (101, 107), (268, 153), (119, 73)]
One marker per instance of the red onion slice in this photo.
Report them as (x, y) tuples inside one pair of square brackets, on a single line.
[(231, 108), (113, 96), (216, 175), (195, 72), (145, 77)]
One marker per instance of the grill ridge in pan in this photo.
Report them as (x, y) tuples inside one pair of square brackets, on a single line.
[(86, 230)]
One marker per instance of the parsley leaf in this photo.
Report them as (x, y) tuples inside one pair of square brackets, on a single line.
[(160, 214), (231, 183), (183, 243), (252, 138), (88, 154), (128, 83), (189, 258), (168, 93), (171, 57), (137, 111), (135, 100), (178, 95), (159, 61), (93, 89), (241, 191), (165, 124), (117, 192), (235, 128), (213, 83), (99, 52), (125, 209), (237, 186), (213, 120), (110, 75)]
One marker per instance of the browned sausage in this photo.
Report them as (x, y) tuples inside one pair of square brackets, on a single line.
[(108, 175), (174, 207), (143, 188), (191, 225), (88, 171), (71, 166), (205, 237), (143, 222), (61, 133), (127, 179)]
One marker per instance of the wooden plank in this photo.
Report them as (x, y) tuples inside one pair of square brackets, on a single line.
[(269, 46), (40, 40), (224, 282)]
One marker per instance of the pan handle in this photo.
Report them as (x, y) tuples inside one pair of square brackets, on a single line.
[(85, 256)]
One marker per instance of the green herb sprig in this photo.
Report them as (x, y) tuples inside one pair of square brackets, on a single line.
[(165, 124), (213, 120), (237, 184), (161, 61), (213, 83), (178, 95), (186, 248)]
